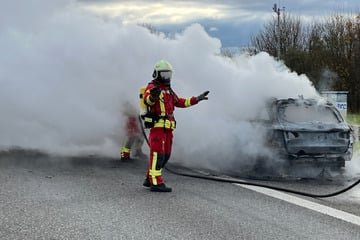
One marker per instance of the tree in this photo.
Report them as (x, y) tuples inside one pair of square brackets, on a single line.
[(291, 35), (328, 52), (354, 79)]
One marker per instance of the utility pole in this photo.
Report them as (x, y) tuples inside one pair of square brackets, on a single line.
[(278, 43)]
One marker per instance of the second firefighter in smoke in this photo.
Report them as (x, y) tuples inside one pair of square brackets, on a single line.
[(134, 139)]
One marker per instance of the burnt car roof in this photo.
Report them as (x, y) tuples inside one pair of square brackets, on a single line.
[(306, 115)]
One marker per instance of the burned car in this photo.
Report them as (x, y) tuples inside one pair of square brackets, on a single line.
[(309, 130)]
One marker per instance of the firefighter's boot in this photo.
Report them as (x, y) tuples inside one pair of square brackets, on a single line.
[(160, 188), (147, 183), (125, 156)]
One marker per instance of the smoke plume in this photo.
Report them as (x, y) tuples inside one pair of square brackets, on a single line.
[(65, 75)]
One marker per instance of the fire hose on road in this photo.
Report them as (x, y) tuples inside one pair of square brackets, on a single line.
[(238, 181)]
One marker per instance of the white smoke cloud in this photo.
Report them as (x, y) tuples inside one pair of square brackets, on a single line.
[(65, 74)]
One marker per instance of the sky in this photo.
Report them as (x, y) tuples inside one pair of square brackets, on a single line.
[(232, 21), (66, 75)]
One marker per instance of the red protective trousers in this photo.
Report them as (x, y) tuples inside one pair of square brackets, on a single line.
[(160, 140)]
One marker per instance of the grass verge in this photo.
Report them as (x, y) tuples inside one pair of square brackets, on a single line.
[(353, 118), (356, 146)]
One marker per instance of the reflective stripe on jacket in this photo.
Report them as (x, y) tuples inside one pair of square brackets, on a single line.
[(166, 123)]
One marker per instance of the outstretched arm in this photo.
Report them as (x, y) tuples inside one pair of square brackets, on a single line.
[(187, 102)]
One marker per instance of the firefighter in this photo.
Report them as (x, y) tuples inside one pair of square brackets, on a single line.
[(161, 101), (134, 139)]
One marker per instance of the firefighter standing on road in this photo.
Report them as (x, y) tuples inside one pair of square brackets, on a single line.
[(161, 101)]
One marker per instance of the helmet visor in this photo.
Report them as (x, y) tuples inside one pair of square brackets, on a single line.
[(166, 75)]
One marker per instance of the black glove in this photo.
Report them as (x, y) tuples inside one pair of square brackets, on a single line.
[(155, 93), (203, 96)]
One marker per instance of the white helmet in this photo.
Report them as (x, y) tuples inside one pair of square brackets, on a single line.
[(163, 72)]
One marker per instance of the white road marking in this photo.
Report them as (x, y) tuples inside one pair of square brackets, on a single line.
[(306, 204)]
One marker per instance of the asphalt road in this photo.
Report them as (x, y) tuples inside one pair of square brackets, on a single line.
[(97, 198)]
